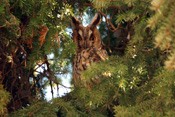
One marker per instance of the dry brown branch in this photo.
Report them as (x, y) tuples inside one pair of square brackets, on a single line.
[(14, 5), (108, 21)]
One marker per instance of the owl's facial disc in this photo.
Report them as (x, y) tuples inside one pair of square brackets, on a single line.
[(87, 37), (85, 33)]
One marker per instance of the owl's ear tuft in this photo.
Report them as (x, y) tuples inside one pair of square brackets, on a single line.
[(96, 20), (75, 21)]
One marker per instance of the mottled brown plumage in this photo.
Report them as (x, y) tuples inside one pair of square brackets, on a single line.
[(90, 47)]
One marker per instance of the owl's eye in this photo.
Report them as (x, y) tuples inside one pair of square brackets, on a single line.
[(92, 38), (79, 37)]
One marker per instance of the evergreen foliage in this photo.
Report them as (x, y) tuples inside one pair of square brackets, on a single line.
[(138, 79), (29, 32), (4, 99)]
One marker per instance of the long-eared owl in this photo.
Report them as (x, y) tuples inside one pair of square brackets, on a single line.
[(90, 47)]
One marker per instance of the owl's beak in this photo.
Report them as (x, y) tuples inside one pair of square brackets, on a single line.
[(85, 45)]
